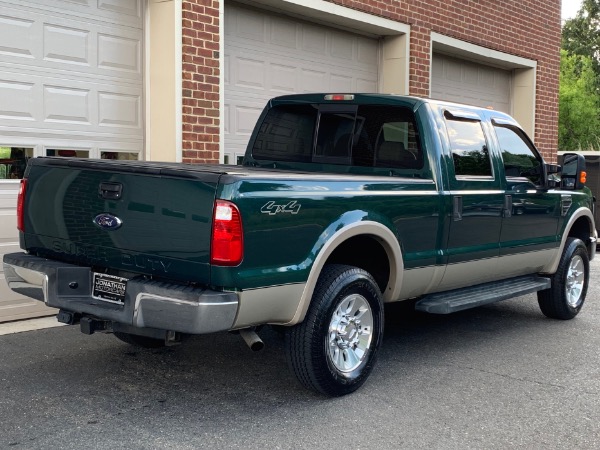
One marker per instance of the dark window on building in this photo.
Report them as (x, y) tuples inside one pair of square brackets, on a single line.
[(521, 160), (469, 148), (13, 161)]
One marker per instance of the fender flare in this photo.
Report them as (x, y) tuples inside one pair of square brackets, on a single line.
[(552, 266), (380, 232)]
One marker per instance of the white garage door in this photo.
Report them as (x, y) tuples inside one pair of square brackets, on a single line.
[(267, 55), (70, 84), (461, 81)]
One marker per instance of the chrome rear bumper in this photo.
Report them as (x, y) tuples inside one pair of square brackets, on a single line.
[(148, 303)]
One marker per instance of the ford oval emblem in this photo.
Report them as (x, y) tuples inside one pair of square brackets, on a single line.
[(107, 221)]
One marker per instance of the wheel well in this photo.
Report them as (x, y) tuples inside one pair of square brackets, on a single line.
[(367, 253), (581, 230)]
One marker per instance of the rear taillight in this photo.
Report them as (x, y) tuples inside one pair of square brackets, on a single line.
[(21, 205), (227, 246)]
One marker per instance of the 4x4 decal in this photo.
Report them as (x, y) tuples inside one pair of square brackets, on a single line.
[(272, 208)]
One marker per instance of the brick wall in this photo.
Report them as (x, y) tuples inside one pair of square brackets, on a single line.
[(527, 28), (201, 72)]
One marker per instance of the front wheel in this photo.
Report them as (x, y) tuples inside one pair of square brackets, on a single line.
[(334, 349), (564, 299)]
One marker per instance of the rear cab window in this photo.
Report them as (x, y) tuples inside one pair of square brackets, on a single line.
[(382, 138)]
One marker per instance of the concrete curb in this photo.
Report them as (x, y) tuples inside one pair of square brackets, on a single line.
[(29, 325)]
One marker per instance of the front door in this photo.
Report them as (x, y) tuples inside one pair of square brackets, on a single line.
[(474, 205), (530, 224)]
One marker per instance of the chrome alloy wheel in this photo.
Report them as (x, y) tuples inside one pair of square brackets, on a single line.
[(350, 333), (575, 281)]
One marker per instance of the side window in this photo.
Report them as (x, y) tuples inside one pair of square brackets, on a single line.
[(469, 148), (387, 137), (520, 157)]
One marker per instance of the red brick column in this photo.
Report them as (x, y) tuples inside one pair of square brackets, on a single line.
[(201, 76)]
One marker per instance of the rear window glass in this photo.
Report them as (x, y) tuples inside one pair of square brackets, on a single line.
[(373, 136), (286, 134)]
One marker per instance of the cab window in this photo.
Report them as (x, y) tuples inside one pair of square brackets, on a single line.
[(521, 160), (470, 152)]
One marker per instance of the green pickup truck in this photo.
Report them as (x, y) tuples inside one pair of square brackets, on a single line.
[(344, 202)]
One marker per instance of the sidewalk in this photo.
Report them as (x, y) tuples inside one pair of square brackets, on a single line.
[(29, 325)]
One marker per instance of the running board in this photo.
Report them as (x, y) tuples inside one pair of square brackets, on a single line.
[(482, 294)]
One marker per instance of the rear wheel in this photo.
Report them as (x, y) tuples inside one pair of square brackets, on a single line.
[(334, 349), (567, 293), (139, 341)]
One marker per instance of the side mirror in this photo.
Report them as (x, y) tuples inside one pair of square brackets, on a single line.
[(573, 175), (550, 177)]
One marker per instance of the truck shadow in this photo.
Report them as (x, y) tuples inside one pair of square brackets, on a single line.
[(207, 365), (215, 379)]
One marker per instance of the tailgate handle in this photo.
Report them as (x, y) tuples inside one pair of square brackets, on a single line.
[(110, 191)]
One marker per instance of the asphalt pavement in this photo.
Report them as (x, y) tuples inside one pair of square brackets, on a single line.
[(497, 376)]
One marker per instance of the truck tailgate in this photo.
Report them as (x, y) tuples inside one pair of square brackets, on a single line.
[(73, 209)]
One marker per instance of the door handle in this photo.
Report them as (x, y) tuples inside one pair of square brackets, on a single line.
[(457, 213), (507, 210), (110, 191)]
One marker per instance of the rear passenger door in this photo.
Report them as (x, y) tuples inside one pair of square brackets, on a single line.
[(528, 239), (474, 202)]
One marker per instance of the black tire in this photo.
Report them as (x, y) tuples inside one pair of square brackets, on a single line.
[(139, 341), (569, 286), (338, 362)]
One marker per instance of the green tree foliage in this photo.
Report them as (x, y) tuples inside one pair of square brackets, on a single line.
[(581, 36), (579, 94), (474, 162), (579, 104)]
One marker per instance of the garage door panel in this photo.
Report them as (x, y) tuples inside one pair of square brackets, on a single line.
[(119, 53), (284, 78), (68, 105), (314, 40), (284, 33), (367, 52), (463, 81), (341, 82), (132, 8), (120, 12), (245, 119), (16, 99), (16, 37), (66, 45), (365, 85), (119, 111), (36, 41), (253, 26), (251, 73), (342, 47)]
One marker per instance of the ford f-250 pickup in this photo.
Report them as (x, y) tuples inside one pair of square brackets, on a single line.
[(344, 202)]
